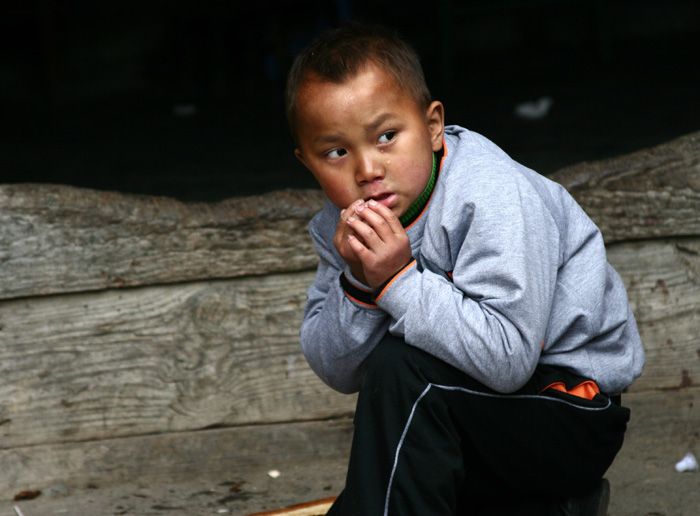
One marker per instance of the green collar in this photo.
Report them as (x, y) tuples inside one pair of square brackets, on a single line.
[(417, 207)]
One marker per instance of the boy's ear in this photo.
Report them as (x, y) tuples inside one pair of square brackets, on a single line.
[(300, 156), (435, 118)]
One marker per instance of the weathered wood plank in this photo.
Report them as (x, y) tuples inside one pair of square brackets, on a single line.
[(176, 457), (158, 359), (58, 239), (182, 357), (647, 194), (663, 285)]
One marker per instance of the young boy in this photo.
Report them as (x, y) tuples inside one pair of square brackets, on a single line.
[(467, 298)]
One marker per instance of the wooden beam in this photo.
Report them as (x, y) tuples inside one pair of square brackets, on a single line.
[(662, 278), (190, 356), (652, 193), (157, 359), (58, 239)]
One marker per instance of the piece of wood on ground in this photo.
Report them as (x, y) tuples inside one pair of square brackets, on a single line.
[(316, 508)]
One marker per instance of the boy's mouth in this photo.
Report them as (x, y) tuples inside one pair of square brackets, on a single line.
[(387, 199), (378, 198)]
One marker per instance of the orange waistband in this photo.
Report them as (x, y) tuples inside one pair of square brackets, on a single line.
[(587, 389)]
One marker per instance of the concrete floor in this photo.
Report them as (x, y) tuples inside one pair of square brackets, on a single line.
[(643, 479)]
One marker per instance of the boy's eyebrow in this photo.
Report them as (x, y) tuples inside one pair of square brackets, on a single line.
[(379, 121), (330, 138), (371, 127)]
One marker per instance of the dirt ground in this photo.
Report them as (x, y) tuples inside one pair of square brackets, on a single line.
[(643, 479)]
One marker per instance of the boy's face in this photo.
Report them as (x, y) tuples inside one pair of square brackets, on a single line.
[(367, 139)]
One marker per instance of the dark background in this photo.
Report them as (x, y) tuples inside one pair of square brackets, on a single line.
[(185, 98)]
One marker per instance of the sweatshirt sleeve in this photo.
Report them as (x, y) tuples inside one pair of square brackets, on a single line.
[(488, 316), (341, 324)]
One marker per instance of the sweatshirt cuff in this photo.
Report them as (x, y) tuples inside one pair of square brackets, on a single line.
[(357, 293)]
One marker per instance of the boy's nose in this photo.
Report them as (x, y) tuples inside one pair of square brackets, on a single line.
[(369, 169)]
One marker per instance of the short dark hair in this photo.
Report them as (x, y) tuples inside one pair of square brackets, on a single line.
[(339, 54)]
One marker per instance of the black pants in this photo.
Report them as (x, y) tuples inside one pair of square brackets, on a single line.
[(430, 440)]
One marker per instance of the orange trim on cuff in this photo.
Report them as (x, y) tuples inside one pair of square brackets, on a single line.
[(357, 293), (380, 294), (587, 389), (364, 303)]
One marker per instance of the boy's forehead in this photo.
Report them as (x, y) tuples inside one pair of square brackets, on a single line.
[(360, 99), (370, 73)]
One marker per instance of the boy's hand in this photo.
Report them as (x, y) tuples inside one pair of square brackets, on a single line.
[(342, 244), (378, 242)]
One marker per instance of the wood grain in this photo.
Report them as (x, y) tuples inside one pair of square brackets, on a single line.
[(663, 285), (190, 356), (157, 359), (652, 193), (58, 239)]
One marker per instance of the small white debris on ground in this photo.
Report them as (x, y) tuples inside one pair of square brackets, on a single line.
[(687, 463), (273, 473)]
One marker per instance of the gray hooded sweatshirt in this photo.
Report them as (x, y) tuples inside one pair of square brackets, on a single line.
[(507, 272)]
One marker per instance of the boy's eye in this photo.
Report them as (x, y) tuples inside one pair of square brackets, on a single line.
[(387, 137), (336, 153)]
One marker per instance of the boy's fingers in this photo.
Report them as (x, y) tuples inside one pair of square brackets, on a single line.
[(343, 231), (365, 230), (376, 222), (388, 215), (381, 222), (357, 246)]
